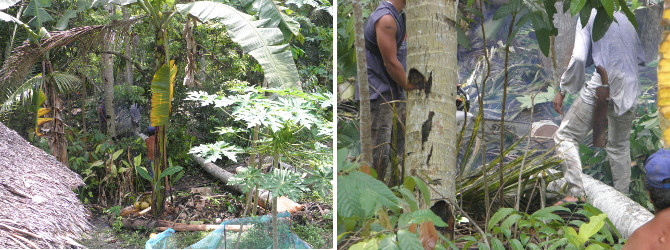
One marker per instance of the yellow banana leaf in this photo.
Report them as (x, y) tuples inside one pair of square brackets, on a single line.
[(162, 87), (38, 100), (664, 79)]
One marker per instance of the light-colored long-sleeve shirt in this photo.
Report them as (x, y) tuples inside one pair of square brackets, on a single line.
[(619, 51)]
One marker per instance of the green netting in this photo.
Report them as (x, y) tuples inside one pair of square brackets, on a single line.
[(256, 233)]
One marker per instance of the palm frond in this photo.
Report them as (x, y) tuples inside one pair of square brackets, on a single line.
[(21, 95), (66, 83), (24, 57)]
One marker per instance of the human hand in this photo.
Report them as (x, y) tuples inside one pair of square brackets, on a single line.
[(558, 102)]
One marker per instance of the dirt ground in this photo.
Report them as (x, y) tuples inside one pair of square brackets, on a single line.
[(201, 199)]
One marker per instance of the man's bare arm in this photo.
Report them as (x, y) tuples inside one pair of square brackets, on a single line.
[(386, 30)]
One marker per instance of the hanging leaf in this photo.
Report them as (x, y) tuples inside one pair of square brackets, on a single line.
[(259, 38), (36, 10), (600, 25), (38, 100), (162, 88)]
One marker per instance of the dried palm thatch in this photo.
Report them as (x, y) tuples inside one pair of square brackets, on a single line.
[(38, 208), (24, 57)]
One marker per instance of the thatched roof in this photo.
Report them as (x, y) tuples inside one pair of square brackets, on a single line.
[(37, 205)]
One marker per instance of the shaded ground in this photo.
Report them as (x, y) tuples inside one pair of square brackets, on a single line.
[(202, 199)]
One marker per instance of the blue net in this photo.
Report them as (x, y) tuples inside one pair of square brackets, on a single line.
[(243, 233)]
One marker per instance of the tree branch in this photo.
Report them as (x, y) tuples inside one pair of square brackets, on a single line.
[(128, 59)]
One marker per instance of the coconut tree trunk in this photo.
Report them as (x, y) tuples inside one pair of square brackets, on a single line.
[(108, 82), (57, 141), (128, 50), (430, 148), (363, 87)]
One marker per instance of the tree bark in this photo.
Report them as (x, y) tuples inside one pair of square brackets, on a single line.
[(363, 87), (128, 50), (563, 43), (625, 214), (57, 141), (108, 86), (430, 148)]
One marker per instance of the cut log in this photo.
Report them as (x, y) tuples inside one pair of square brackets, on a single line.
[(180, 227), (224, 176), (626, 215)]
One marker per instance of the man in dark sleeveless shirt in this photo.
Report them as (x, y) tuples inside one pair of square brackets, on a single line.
[(386, 53)]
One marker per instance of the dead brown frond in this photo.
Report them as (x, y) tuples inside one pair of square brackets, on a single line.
[(24, 57)]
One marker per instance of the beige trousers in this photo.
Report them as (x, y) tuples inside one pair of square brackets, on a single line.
[(574, 128)]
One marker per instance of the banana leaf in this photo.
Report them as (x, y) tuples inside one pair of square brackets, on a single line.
[(259, 38), (162, 87)]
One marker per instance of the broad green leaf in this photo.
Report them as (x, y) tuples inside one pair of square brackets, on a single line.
[(117, 154), (423, 188), (594, 247), (628, 12), (600, 25), (370, 244), (97, 163), (409, 198), (408, 240), (499, 215), (576, 6), (571, 234), (421, 216), (267, 9), (137, 160), (170, 171), (388, 243), (256, 37), (507, 223), (348, 203), (143, 172), (587, 230), (542, 36), (496, 244), (584, 14), (386, 197), (162, 88), (63, 21), (516, 244), (608, 5), (36, 10)]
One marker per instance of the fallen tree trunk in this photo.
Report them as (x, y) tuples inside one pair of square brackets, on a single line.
[(626, 215), (285, 204)]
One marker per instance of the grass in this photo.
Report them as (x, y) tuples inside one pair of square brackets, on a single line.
[(312, 234)]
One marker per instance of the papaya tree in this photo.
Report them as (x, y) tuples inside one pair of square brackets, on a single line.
[(262, 37)]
